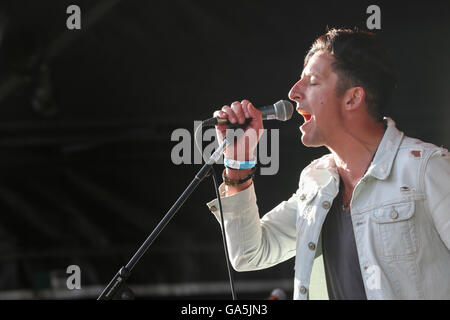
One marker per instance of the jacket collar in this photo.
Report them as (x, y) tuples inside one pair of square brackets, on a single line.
[(381, 165)]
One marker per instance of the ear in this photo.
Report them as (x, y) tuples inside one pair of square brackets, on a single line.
[(354, 98)]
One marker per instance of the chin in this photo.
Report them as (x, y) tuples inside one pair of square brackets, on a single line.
[(306, 142), (310, 142)]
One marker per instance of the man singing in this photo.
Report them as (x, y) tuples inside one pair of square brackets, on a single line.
[(376, 205)]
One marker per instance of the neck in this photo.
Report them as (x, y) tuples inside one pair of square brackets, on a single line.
[(353, 152)]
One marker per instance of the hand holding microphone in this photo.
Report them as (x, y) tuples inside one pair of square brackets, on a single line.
[(244, 115), (240, 153), (245, 145)]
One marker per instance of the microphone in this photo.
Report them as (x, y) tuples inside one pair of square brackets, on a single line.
[(282, 110)]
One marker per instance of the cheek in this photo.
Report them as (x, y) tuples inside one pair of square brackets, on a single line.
[(322, 103)]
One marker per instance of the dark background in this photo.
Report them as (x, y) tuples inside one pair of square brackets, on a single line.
[(86, 119)]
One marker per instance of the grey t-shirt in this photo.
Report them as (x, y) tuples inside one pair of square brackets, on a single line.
[(341, 263)]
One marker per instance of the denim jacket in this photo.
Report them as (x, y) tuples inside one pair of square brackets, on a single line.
[(400, 211)]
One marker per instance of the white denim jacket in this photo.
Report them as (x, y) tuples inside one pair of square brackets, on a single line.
[(400, 212)]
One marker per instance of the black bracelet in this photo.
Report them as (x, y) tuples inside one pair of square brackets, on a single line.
[(232, 182)]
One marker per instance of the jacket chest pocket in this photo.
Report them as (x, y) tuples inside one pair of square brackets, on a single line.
[(395, 227)]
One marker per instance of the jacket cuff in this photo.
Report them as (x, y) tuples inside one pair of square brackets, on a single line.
[(235, 204)]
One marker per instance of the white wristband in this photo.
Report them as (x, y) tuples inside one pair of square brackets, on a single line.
[(236, 164)]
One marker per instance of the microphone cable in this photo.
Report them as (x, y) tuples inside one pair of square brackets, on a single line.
[(224, 236), (222, 224)]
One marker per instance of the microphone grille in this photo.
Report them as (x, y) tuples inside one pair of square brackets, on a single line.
[(284, 110)]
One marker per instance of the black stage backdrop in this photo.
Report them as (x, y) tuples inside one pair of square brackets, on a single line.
[(86, 118)]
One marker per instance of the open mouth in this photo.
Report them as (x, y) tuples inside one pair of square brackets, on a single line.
[(306, 115)]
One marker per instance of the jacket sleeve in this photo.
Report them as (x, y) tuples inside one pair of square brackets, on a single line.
[(437, 188), (255, 243)]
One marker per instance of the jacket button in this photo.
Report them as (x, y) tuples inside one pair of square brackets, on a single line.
[(303, 290), (326, 205), (213, 208), (393, 214), (303, 197), (311, 246)]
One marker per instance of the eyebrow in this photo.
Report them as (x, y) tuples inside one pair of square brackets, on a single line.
[(313, 73)]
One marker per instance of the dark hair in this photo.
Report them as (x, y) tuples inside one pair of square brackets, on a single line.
[(360, 60)]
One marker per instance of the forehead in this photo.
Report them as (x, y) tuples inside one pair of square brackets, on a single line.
[(319, 65)]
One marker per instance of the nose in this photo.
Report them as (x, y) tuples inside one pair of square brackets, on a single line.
[(296, 93)]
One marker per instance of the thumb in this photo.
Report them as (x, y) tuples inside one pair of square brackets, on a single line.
[(254, 113)]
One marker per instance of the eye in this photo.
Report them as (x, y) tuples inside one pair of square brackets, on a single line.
[(312, 81)]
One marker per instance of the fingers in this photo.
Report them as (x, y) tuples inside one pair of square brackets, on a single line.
[(245, 104), (252, 111), (220, 114), (237, 108), (229, 114), (238, 112), (234, 114)]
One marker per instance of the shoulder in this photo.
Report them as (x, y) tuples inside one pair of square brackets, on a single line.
[(319, 171), (438, 163), (414, 148), (324, 162), (432, 161)]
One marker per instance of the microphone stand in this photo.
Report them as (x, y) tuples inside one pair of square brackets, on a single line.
[(118, 283)]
